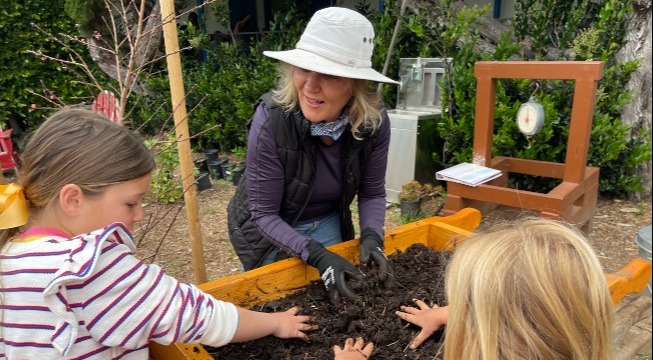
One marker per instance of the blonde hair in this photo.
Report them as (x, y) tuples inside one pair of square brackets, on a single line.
[(78, 146), (531, 290), (364, 111)]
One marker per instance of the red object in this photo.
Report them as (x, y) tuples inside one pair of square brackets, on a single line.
[(7, 153), (108, 106)]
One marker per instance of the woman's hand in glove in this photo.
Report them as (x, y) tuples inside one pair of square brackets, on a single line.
[(371, 248), (334, 271)]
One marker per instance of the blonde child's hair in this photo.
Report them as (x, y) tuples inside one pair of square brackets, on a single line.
[(530, 290)]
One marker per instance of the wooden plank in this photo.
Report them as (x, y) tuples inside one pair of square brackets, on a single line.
[(569, 70), (466, 219), (631, 279), (529, 167), (178, 351), (504, 196)]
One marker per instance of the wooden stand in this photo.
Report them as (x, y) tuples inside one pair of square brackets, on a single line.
[(573, 200)]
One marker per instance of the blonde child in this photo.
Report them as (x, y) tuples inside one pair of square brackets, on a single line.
[(529, 290)]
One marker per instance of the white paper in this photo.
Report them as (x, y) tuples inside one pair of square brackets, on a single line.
[(468, 174)]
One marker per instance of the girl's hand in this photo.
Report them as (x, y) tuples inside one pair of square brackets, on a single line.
[(292, 325), (430, 319), (353, 351)]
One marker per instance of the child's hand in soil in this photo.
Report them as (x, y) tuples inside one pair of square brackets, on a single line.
[(292, 325), (353, 351), (284, 325), (430, 319)]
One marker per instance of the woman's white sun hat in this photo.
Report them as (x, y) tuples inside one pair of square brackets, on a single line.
[(337, 41)]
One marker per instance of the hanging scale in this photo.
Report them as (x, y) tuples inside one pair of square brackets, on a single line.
[(530, 118)]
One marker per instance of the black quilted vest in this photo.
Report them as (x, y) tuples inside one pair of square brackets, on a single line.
[(296, 150)]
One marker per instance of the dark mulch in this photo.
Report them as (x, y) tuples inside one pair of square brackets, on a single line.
[(419, 275)]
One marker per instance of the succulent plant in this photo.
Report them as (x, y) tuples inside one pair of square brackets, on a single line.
[(415, 191)]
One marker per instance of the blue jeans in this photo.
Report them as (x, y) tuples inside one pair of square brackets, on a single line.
[(326, 231)]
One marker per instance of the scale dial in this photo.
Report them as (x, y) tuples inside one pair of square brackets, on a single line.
[(530, 118)]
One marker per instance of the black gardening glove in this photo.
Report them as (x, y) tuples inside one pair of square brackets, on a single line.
[(334, 270), (371, 248)]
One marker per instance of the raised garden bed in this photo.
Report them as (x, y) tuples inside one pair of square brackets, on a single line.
[(254, 288)]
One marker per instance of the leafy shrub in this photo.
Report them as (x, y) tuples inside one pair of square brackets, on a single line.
[(166, 186), (222, 91), (31, 86)]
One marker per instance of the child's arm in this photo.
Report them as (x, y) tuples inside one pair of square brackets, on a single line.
[(430, 319), (123, 302), (126, 303), (254, 325)]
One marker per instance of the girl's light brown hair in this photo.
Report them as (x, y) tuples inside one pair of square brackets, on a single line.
[(78, 146)]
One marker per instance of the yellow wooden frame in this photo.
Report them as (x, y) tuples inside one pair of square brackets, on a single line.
[(285, 277)]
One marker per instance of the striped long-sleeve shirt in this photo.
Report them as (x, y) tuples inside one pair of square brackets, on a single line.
[(89, 297)]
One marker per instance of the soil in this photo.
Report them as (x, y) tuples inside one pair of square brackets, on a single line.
[(372, 317)]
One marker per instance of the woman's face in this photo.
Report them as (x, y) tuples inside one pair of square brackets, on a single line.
[(321, 97)]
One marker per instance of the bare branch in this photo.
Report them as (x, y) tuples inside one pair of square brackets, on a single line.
[(80, 63)]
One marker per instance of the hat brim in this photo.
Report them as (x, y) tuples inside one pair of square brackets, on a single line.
[(309, 61)]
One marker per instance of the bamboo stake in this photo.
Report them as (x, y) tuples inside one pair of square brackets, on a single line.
[(183, 138)]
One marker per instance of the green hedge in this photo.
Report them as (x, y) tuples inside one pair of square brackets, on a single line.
[(223, 89), (23, 74)]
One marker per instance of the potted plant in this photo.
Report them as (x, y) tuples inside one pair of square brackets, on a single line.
[(411, 195), (410, 198)]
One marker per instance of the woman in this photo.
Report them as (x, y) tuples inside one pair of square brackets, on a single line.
[(316, 142)]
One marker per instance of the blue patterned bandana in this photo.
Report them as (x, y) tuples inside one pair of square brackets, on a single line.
[(333, 129)]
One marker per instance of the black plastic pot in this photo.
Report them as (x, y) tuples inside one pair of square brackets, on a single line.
[(201, 165), (410, 208), (215, 169), (211, 155), (203, 181), (236, 173), (225, 167)]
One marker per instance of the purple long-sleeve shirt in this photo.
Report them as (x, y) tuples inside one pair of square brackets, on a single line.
[(265, 182)]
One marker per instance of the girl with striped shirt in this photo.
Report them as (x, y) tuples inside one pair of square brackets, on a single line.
[(70, 285)]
